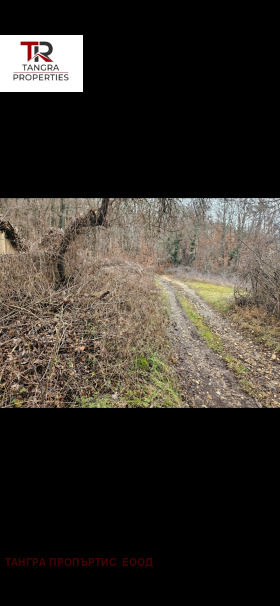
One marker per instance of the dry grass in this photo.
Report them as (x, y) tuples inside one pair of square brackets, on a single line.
[(192, 275), (78, 346), (260, 325), (255, 321)]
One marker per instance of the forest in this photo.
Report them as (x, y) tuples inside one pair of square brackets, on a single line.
[(140, 302)]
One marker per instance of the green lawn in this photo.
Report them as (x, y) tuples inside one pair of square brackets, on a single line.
[(219, 297)]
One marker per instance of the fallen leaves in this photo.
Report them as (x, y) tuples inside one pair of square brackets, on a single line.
[(59, 343)]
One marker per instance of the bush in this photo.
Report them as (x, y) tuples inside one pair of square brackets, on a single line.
[(85, 344)]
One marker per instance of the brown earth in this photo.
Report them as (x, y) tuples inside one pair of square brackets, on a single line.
[(206, 380)]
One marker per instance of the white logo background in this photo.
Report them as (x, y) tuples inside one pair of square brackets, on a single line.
[(67, 54)]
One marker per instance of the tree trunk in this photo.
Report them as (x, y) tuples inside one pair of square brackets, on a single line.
[(91, 219)]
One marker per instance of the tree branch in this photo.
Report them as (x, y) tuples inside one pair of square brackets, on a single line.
[(91, 219)]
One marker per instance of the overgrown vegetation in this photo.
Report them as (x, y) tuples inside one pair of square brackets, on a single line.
[(82, 323), (97, 342), (237, 237), (259, 325)]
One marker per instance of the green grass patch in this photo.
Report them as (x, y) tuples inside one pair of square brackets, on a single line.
[(219, 297), (155, 385), (212, 340), (235, 365), (164, 297), (255, 322), (94, 402), (215, 343)]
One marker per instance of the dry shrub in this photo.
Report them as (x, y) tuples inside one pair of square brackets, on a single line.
[(59, 346), (263, 287)]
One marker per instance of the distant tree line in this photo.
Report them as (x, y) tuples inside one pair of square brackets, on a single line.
[(237, 235)]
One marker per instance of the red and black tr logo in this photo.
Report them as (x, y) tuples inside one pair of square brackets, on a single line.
[(37, 52)]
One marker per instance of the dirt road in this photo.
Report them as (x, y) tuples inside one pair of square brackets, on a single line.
[(206, 380)]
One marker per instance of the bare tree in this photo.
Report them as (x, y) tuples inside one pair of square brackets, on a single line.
[(91, 219)]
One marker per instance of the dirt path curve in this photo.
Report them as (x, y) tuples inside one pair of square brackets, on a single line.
[(205, 378)]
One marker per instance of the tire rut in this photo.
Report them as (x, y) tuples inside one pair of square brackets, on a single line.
[(263, 367), (205, 379)]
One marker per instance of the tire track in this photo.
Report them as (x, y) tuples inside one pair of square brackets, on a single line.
[(205, 379)]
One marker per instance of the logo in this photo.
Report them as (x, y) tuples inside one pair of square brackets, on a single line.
[(39, 66), (38, 54)]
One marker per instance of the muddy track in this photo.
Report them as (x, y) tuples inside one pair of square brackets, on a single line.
[(206, 380)]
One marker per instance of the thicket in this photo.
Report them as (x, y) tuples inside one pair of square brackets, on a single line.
[(238, 238), (97, 341)]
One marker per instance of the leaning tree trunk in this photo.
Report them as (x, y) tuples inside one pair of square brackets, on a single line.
[(12, 235), (91, 219)]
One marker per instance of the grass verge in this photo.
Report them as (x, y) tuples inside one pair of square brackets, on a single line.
[(152, 385), (220, 298), (260, 326), (254, 321), (215, 343)]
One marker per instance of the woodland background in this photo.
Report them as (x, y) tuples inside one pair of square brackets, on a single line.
[(82, 321), (232, 236)]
